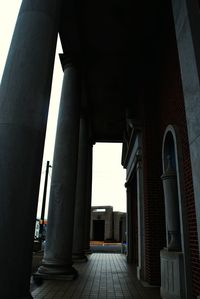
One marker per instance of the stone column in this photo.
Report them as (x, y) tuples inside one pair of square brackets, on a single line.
[(91, 226), (57, 262), (88, 200), (129, 225), (140, 212), (24, 101), (187, 27), (116, 229), (81, 187), (171, 208), (108, 224)]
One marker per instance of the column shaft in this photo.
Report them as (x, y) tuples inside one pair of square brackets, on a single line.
[(187, 28), (88, 201), (140, 213), (58, 251), (129, 226), (81, 187), (24, 101)]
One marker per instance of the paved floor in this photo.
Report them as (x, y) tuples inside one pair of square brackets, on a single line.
[(104, 276)]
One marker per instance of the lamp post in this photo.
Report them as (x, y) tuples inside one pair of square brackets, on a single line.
[(44, 202)]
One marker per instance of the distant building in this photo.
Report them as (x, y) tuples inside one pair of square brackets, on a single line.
[(37, 229), (107, 225)]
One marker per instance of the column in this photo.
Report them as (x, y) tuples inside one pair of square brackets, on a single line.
[(24, 101), (169, 179), (88, 200), (57, 261), (129, 225), (108, 234), (91, 226), (187, 27), (81, 187), (140, 212)]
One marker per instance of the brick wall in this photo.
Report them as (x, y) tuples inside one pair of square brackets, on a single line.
[(154, 213), (164, 105), (171, 111)]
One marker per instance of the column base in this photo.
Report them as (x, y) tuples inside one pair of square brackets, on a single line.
[(172, 278), (79, 257), (51, 271), (140, 273), (88, 251)]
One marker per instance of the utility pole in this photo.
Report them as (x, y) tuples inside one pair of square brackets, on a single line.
[(44, 202)]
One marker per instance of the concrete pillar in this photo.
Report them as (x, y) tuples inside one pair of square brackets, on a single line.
[(129, 225), (57, 262), (187, 27), (81, 187), (24, 101), (88, 200), (140, 213), (124, 228), (116, 229), (108, 224), (171, 208), (91, 226)]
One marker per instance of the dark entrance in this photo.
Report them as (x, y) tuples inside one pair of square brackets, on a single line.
[(120, 230), (134, 208), (132, 221), (98, 230)]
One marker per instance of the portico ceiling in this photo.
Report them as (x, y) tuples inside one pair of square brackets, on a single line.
[(118, 43)]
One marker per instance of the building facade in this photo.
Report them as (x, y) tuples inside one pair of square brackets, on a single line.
[(130, 75)]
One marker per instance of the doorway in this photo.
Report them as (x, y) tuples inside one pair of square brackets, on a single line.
[(98, 230), (132, 215)]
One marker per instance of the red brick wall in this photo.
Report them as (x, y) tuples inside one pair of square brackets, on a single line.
[(171, 111), (154, 213), (164, 105), (168, 109)]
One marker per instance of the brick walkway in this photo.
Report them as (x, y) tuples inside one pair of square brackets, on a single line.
[(104, 276)]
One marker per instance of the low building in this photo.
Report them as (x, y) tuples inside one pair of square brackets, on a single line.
[(107, 225)]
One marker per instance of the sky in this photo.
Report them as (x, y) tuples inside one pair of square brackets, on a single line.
[(108, 174)]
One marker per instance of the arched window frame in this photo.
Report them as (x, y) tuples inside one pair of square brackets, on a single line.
[(174, 131)]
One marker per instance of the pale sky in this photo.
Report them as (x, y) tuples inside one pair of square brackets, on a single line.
[(108, 174)]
